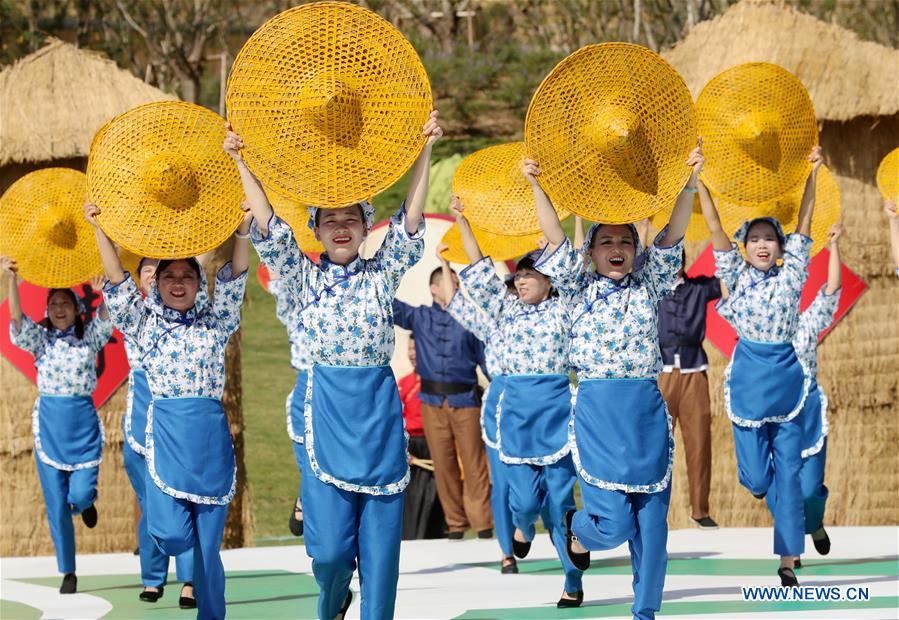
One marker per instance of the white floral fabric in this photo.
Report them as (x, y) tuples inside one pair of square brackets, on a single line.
[(812, 321)]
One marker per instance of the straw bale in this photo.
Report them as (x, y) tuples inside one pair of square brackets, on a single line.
[(53, 101), (846, 77)]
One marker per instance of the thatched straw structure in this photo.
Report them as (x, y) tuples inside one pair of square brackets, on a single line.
[(51, 104), (54, 101), (856, 96)]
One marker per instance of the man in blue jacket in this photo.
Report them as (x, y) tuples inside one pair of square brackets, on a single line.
[(447, 358)]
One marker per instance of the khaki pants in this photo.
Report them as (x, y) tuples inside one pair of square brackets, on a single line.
[(466, 503), (687, 396)]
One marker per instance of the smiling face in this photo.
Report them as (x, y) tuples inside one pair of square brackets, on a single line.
[(613, 250), (146, 273), (762, 246), (178, 284), (61, 310), (341, 231), (532, 286)]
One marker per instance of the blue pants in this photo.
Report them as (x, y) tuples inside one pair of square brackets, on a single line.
[(814, 493), (769, 458), (66, 493), (179, 526), (154, 564), (610, 518), (299, 453), (341, 527), (499, 501), (535, 487)]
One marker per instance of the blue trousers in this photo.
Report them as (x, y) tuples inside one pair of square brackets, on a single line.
[(769, 458), (533, 488), (299, 453), (814, 493), (342, 527), (499, 501), (179, 526), (66, 493), (610, 518), (154, 564)]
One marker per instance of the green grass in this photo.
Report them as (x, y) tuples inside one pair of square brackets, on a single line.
[(267, 379)]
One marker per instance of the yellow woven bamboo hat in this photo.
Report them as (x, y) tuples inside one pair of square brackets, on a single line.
[(330, 101), (758, 127), (297, 218), (888, 176), (497, 247), (42, 227), (165, 187), (611, 127), (497, 197)]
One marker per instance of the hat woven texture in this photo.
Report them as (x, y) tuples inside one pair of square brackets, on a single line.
[(330, 101), (496, 195), (758, 127), (611, 127), (497, 247), (42, 227), (696, 229), (888, 176), (165, 187), (296, 216)]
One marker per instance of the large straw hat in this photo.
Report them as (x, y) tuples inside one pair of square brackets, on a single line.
[(296, 216), (611, 127), (758, 127), (497, 197), (42, 227), (888, 176), (330, 101), (497, 247), (165, 187)]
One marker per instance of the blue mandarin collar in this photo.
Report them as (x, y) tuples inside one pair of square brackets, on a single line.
[(351, 268)]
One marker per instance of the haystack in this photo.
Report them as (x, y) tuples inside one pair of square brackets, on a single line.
[(854, 89), (51, 104)]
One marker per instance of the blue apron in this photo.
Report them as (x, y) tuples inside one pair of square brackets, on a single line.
[(532, 419), (189, 450), (295, 402), (355, 437), (621, 435), (764, 383), (814, 421), (134, 422), (488, 410), (68, 434)]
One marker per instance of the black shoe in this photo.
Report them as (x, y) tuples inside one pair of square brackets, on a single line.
[(509, 567), (565, 603), (787, 578), (149, 596), (822, 546), (455, 535), (89, 516), (187, 602), (69, 584), (296, 525), (485, 534), (137, 550), (760, 495), (797, 563), (520, 549), (706, 523), (346, 605), (581, 561)]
